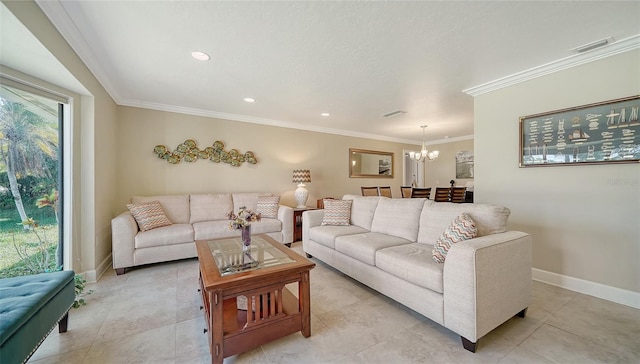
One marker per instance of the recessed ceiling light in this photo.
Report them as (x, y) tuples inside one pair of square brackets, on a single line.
[(249, 99), (325, 114), (200, 56)]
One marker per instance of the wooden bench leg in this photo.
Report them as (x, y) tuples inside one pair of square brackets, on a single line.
[(62, 324)]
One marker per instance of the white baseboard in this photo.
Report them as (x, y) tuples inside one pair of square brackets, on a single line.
[(92, 275), (104, 265), (609, 293)]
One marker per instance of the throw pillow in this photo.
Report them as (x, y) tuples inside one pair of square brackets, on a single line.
[(149, 215), (462, 228), (268, 206), (337, 212)]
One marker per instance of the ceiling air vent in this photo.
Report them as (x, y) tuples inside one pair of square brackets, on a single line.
[(593, 45), (394, 114)]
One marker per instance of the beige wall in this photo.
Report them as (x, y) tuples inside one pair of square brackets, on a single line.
[(439, 172), (585, 220), (279, 151)]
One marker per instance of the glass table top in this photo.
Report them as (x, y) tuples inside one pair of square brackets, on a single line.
[(230, 259)]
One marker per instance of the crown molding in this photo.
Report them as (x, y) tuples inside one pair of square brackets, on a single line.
[(618, 47), (67, 28), (270, 122)]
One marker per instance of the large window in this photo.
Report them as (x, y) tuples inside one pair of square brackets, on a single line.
[(30, 181)]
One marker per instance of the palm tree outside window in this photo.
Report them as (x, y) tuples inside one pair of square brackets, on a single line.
[(30, 165)]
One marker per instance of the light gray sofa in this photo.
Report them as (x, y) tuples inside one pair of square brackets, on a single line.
[(483, 282), (193, 217)]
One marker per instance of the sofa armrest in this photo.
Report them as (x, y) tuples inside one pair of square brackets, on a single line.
[(123, 233), (310, 219), (285, 215), (487, 280)]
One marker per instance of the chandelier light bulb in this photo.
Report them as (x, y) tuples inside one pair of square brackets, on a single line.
[(424, 153)]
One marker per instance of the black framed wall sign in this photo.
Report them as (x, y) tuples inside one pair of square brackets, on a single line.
[(604, 132)]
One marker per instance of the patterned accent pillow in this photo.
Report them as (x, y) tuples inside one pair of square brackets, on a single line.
[(462, 228), (149, 215), (337, 212), (268, 206)]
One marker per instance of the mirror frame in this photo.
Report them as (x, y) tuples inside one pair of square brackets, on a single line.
[(353, 151)]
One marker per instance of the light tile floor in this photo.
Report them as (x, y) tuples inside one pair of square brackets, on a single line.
[(151, 315)]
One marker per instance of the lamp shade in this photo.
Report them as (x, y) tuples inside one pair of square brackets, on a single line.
[(301, 176)]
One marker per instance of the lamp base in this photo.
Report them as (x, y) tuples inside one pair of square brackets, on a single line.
[(301, 194)]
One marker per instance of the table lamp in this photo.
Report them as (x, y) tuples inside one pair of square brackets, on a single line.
[(301, 176)]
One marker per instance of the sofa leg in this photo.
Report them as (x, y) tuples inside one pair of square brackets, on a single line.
[(119, 271), (309, 255), (288, 245), (62, 324), (522, 313), (471, 346)]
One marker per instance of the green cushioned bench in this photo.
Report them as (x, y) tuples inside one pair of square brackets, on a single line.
[(30, 307)]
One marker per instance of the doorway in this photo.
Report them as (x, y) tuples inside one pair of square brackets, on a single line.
[(413, 171)]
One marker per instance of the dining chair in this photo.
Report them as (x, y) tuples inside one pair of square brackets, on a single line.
[(405, 191), (418, 192), (458, 194), (385, 191), (369, 191), (442, 194)]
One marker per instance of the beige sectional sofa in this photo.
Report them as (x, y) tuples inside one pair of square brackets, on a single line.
[(388, 245), (192, 217)]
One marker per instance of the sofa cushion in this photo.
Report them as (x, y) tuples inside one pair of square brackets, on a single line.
[(398, 217), (461, 228), (176, 207), (266, 225), (326, 235), (363, 247), (362, 209), (148, 215), (337, 212), (220, 228), (248, 200), (207, 207), (413, 263), (213, 230), (267, 206), (436, 217), (168, 235)]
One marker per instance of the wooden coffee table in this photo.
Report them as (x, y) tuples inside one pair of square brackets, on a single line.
[(270, 311)]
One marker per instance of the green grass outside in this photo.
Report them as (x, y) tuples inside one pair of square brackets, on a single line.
[(11, 230), (10, 219)]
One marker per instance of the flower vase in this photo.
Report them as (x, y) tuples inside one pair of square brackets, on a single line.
[(246, 238)]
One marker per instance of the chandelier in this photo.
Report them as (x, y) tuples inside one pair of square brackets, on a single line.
[(424, 154)]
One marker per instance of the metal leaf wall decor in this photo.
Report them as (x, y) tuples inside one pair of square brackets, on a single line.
[(188, 151)]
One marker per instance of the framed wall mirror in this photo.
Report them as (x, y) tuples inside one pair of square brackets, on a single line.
[(370, 164)]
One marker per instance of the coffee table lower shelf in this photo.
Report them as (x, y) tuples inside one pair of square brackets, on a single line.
[(242, 333)]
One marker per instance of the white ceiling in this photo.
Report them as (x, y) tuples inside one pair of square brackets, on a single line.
[(355, 60)]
